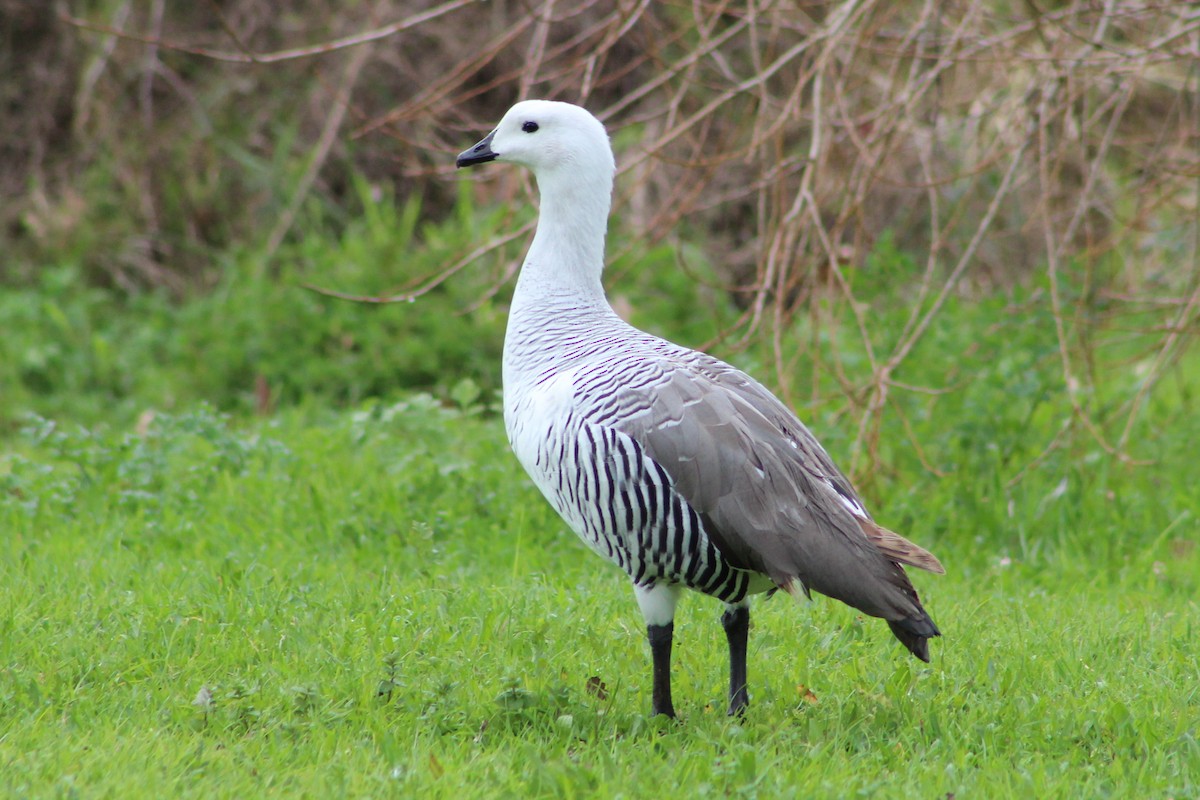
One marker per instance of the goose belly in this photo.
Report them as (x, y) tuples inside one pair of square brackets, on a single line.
[(616, 499)]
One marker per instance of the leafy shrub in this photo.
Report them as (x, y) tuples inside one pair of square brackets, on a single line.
[(261, 339)]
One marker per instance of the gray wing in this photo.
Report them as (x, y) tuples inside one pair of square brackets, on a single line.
[(771, 498)]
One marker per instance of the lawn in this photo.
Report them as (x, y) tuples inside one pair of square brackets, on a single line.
[(375, 602)]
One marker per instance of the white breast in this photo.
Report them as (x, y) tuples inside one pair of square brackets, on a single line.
[(535, 414)]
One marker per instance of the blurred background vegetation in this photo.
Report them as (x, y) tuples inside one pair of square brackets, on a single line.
[(889, 210)]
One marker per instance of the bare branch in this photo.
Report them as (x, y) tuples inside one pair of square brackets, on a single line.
[(363, 37)]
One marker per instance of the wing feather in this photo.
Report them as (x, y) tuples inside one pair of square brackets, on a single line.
[(771, 498)]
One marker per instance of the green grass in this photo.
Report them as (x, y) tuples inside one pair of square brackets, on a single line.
[(377, 603)]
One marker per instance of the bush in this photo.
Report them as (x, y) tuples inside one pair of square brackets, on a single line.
[(263, 338)]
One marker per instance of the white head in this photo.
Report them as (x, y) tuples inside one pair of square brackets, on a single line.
[(552, 139), (568, 151)]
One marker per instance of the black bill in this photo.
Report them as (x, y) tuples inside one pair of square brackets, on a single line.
[(479, 154)]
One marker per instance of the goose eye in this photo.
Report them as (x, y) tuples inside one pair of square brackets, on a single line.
[(529, 127)]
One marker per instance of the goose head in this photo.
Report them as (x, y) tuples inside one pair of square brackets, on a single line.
[(554, 140)]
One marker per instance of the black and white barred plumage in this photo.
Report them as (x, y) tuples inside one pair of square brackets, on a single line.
[(576, 431)]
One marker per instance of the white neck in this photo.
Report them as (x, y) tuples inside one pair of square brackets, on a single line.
[(566, 259)]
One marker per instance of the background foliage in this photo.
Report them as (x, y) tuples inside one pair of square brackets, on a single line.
[(193, 151)]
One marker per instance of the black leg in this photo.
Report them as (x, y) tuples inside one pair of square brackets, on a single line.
[(736, 621), (660, 649)]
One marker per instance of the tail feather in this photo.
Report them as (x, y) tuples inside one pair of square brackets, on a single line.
[(915, 633), (897, 548)]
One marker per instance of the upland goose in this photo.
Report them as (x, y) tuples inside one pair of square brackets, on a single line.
[(679, 468)]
